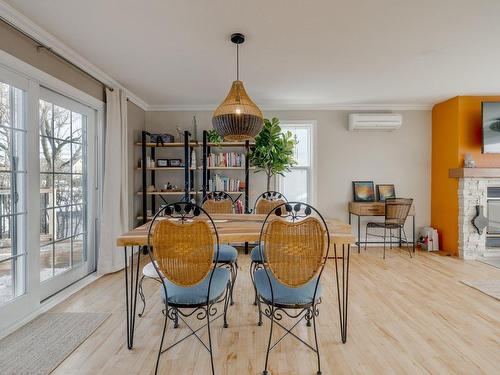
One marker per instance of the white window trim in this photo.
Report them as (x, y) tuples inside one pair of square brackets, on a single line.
[(312, 124), (30, 79)]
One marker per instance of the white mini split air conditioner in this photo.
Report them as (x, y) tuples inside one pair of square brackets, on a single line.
[(375, 121)]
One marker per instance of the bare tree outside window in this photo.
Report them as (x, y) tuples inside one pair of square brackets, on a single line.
[(62, 187)]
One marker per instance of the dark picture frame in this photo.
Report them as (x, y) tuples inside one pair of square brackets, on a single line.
[(363, 191), (385, 191)]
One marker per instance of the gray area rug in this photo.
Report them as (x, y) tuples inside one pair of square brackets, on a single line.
[(495, 262), (41, 345), (488, 287)]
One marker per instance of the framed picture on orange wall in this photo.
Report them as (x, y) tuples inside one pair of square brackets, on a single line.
[(363, 191)]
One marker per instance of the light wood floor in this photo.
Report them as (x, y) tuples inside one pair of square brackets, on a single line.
[(406, 316)]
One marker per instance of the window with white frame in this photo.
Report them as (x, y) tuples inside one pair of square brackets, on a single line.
[(297, 184)]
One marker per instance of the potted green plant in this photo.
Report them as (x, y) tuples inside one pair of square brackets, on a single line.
[(273, 151)]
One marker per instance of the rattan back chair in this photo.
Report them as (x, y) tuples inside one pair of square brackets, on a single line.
[(396, 213), (267, 201), (218, 202), (295, 243), (397, 210), (183, 245)]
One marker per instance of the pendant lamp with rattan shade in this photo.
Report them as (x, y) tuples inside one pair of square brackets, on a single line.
[(237, 118)]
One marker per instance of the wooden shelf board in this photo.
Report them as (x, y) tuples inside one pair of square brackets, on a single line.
[(227, 168), (474, 173), (173, 144), (227, 144), (165, 169), (167, 193), (227, 192), (192, 169), (195, 144)]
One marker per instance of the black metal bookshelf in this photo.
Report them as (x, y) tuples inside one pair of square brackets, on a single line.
[(187, 146), (189, 191)]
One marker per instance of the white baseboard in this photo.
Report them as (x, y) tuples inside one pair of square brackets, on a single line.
[(51, 302)]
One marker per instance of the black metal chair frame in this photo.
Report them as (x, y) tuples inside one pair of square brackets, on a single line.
[(186, 212), (233, 267), (141, 292), (274, 311), (387, 226), (254, 266)]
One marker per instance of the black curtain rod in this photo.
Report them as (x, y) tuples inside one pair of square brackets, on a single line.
[(41, 46)]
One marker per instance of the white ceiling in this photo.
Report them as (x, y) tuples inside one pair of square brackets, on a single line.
[(176, 53)]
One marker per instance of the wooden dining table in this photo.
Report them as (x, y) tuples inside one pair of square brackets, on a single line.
[(233, 229)]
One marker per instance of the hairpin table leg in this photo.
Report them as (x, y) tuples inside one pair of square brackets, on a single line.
[(131, 293), (343, 282)]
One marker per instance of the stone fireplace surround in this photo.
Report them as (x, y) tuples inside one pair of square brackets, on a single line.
[(473, 190)]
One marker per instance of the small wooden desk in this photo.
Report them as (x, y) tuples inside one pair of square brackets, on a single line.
[(231, 228), (360, 209)]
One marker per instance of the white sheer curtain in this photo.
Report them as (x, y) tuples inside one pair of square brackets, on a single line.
[(115, 200)]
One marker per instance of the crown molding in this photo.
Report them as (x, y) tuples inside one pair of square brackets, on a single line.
[(303, 107), (24, 23)]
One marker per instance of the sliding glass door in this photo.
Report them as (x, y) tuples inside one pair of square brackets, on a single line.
[(66, 201), (12, 192), (48, 188)]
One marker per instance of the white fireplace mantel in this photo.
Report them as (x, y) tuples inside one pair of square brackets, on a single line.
[(474, 173)]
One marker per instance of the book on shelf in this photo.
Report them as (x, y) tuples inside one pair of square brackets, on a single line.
[(226, 159), (222, 183), (238, 207)]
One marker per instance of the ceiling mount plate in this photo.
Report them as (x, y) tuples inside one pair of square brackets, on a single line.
[(237, 38)]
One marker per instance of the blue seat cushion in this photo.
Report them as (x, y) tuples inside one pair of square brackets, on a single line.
[(255, 255), (284, 295), (227, 253), (197, 294)]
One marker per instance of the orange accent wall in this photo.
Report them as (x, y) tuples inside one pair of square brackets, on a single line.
[(456, 130)]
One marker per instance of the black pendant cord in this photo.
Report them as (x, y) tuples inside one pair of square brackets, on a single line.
[(237, 62)]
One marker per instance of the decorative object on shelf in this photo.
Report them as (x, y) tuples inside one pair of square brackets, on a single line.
[(385, 191), (195, 130), (273, 151), (480, 221), (175, 163), (150, 163), (162, 163), (469, 162), (161, 139), (193, 158), (213, 137), (150, 188), (169, 187), (237, 118), (363, 191), (181, 134)]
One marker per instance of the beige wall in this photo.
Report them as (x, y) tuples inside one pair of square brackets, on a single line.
[(18, 45), (401, 157)]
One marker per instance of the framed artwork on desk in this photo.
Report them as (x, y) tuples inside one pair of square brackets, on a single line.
[(385, 191), (363, 191)]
